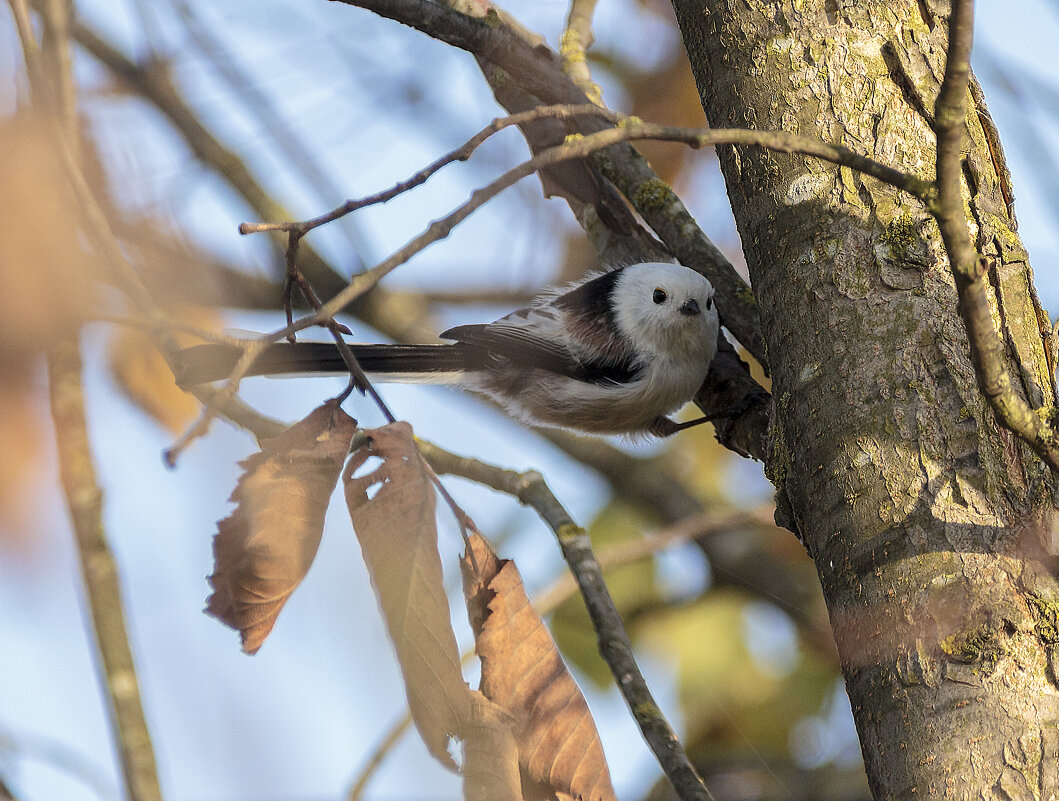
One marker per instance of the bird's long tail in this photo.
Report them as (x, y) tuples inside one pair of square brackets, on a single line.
[(413, 363)]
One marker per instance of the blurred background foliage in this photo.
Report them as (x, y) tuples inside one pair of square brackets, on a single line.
[(197, 116)]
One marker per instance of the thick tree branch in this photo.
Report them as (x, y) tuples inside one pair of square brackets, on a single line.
[(1035, 427)]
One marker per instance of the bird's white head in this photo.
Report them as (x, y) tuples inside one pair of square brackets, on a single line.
[(667, 310)]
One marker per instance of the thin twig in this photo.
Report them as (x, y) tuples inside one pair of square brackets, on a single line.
[(30, 50), (220, 398), (382, 749), (971, 270), (258, 103), (614, 644), (576, 39), (462, 153)]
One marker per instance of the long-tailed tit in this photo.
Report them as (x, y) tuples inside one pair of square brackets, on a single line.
[(614, 354)]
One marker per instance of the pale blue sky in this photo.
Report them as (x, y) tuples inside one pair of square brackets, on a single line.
[(294, 721)]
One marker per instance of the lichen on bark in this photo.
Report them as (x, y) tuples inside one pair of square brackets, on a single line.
[(923, 516)]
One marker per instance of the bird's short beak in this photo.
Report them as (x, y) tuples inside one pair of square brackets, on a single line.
[(690, 307)]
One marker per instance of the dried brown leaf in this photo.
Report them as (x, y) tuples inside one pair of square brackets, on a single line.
[(398, 535), (264, 549), (559, 748), (490, 754)]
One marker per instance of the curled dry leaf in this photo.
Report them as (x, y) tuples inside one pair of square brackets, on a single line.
[(264, 549), (398, 535), (560, 753)]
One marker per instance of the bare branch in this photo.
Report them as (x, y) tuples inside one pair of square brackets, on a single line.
[(382, 748), (462, 153), (971, 270), (99, 571)]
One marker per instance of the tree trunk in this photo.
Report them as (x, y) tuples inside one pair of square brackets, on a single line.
[(929, 525)]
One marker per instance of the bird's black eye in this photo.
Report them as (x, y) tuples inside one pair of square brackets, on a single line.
[(709, 303), (660, 295)]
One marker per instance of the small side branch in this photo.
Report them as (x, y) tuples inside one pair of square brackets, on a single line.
[(614, 644), (970, 269), (576, 39), (462, 153)]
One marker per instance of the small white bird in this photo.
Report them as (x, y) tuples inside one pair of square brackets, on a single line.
[(614, 354)]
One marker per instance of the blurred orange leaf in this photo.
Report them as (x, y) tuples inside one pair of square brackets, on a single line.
[(398, 535), (22, 450), (43, 268), (145, 378), (264, 549), (47, 285)]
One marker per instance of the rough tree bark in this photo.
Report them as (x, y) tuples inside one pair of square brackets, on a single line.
[(929, 525)]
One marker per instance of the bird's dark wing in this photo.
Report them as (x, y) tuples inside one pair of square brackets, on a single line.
[(535, 337), (512, 343)]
